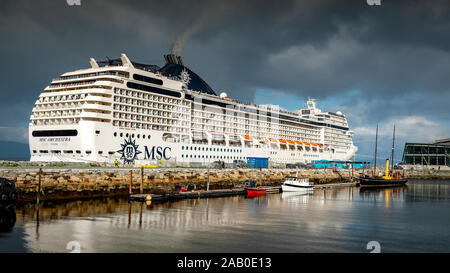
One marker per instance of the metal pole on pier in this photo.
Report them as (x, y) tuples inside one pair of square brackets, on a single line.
[(207, 185), (142, 180), (131, 182), (260, 176), (37, 201), (39, 187), (353, 171)]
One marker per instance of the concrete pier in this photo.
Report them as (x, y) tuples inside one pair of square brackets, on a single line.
[(78, 183)]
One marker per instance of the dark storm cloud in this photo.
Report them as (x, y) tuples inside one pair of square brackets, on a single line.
[(396, 56)]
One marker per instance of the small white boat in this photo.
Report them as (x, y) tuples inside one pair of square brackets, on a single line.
[(297, 184)]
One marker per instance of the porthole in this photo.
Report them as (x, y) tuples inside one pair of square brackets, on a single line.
[(115, 134)]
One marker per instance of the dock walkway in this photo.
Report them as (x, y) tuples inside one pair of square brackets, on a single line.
[(194, 194), (186, 195)]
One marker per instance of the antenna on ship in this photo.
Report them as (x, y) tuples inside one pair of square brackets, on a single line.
[(375, 159)]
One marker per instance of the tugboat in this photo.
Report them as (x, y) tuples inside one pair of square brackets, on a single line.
[(390, 178)]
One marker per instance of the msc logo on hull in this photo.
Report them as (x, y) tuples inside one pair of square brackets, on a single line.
[(130, 151), (157, 152)]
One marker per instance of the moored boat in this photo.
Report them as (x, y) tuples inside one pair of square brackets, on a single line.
[(297, 184), (370, 182), (251, 190), (389, 179), (256, 191)]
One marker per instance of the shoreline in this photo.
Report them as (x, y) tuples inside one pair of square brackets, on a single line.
[(85, 183)]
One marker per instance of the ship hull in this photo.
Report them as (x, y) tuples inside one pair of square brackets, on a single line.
[(138, 114), (381, 183)]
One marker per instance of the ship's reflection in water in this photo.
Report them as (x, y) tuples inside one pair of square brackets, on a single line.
[(409, 219), (7, 219)]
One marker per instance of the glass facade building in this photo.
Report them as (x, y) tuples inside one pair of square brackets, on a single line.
[(437, 153)]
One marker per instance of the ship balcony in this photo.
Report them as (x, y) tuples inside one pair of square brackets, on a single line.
[(95, 115), (50, 117), (69, 85), (97, 98), (98, 107), (94, 75)]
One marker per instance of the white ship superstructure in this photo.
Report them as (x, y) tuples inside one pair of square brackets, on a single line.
[(143, 114)]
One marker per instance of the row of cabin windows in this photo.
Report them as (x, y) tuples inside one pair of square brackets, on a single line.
[(212, 157), (86, 75), (68, 152), (211, 149), (149, 96), (132, 135)]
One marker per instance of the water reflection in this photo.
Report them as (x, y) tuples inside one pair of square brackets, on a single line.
[(388, 195), (326, 220), (7, 219), (429, 191), (297, 197)]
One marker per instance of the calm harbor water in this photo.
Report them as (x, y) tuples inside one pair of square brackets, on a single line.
[(415, 218)]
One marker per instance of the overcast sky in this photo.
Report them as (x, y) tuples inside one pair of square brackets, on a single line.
[(385, 64)]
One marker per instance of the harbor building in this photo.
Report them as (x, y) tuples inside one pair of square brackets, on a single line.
[(427, 154)]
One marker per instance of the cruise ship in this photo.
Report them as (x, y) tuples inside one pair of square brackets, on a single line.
[(120, 110)]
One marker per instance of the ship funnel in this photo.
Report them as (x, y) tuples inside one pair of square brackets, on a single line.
[(173, 59)]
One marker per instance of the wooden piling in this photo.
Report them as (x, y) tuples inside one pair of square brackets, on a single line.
[(142, 181), (207, 185), (38, 197), (131, 182), (260, 175)]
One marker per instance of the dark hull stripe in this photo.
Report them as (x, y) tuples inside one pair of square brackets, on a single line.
[(295, 186)]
